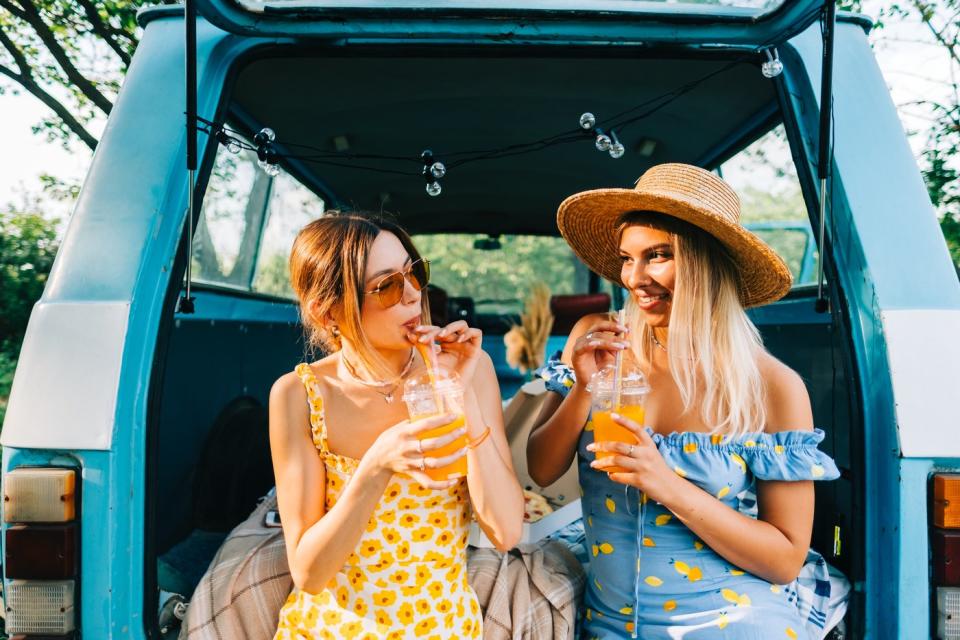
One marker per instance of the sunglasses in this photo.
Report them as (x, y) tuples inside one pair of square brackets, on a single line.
[(390, 288)]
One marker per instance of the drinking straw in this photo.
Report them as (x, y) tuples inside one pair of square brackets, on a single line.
[(618, 367), (427, 352)]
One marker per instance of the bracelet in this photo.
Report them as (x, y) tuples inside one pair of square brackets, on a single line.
[(476, 442)]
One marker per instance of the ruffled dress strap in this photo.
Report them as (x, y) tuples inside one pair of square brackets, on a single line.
[(558, 376), (788, 455), (318, 425), (318, 422)]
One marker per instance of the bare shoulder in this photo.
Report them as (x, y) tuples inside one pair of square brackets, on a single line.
[(289, 409), (788, 402), (579, 329), (287, 387), (584, 324)]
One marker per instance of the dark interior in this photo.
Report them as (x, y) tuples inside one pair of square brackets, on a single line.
[(400, 106), (456, 101)]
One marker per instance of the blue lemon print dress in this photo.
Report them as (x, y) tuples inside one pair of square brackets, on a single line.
[(649, 575)]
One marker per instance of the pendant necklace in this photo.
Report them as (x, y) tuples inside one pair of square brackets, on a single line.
[(373, 384)]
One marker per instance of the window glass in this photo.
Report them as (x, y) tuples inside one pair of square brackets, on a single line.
[(247, 225), (772, 203), (498, 273)]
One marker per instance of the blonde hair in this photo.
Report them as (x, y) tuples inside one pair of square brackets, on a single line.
[(714, 347), (327, 264)]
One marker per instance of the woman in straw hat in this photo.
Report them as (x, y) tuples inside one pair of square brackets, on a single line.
[(672, 555)]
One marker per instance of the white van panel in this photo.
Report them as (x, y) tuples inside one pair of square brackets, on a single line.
[(923, 349), (64, 393)]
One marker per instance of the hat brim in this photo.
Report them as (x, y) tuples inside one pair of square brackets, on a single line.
[(588, 222)]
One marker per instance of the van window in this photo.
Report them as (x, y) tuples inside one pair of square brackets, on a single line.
[(498, 272), (247, 225), (772, 205)]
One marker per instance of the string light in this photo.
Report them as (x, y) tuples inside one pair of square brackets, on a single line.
[(266, 154), (432, 171), (772, 67), (602, 142), (616, 149)]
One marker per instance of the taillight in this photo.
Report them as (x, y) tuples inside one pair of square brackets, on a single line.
[(945, 553), (41, 551)]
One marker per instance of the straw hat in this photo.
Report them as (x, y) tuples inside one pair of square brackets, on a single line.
[(589, 220)]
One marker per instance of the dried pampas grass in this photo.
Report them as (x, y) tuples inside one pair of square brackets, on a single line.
[(527, 342)]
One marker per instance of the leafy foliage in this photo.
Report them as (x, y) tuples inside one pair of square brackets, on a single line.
[(69, 54), (27, 248)]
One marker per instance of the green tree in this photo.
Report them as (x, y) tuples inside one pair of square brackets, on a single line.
[(28, 245), (69, 54), (940, 158)]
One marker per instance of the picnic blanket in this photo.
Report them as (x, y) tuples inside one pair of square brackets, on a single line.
[(528, 593)]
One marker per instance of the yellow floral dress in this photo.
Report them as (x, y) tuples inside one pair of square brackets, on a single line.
[(407, 578)]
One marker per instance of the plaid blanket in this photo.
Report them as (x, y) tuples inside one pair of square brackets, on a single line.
[(240, 595), (528, 593)]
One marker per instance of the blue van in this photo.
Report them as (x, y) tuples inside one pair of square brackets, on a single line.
[(133, 426)]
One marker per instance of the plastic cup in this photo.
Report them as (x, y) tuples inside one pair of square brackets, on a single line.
[(435, 392), (603, 403)]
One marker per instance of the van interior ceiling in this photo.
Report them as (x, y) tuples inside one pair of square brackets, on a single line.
[(218, 370)]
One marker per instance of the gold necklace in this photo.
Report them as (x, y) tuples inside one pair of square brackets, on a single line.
[(373, 384)]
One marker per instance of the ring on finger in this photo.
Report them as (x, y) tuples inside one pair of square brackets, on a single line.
[(423, 463), (630, 451), (420, 447)]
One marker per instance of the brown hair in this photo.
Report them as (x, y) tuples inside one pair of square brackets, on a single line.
[(327, 264)]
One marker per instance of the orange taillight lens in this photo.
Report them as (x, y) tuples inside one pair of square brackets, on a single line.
[(946, 500), (40, 494)]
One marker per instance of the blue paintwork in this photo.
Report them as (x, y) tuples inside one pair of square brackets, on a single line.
[(867, 232), (121, 242), (616, 21)]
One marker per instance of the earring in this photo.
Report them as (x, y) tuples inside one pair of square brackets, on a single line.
[(335, 331)]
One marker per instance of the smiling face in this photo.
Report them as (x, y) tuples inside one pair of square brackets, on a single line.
[(648, 271), (387, 328)]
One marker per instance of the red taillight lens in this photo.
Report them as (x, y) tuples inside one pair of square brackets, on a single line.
[(38, 552)]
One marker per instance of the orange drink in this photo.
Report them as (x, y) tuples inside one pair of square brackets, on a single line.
[(606, 430), (432, 393), (619, 389), (457, 469)]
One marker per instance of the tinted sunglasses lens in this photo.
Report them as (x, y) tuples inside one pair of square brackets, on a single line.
[(390, 290), (420, 274)]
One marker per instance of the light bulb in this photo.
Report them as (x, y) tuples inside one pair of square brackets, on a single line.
[(268, 133), (603, 142), (271, 170), (434, 189), (438, 170), (771, 68), (616, 150), (587, 120), (233, 146)]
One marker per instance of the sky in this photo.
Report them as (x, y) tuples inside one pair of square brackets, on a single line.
[(912, 65)]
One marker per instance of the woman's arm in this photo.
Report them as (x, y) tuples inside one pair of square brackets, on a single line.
[(552, 442), (774, 545), (494, 491), (319, 542)]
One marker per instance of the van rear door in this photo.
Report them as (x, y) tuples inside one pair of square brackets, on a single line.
[(737, 22)]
